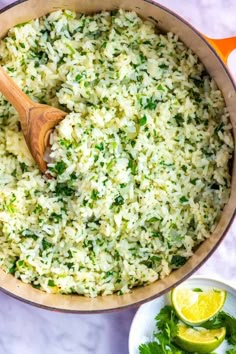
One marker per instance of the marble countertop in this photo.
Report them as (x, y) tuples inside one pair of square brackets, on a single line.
[(28, 330)]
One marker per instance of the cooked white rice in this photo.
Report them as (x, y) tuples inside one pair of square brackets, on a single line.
[(140, 162)]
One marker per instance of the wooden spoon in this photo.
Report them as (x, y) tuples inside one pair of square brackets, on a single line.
[(37, 120)]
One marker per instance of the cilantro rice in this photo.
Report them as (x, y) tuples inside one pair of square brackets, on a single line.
[(139, 165)]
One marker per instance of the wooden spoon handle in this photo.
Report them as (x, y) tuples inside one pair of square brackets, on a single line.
[(14, 95)]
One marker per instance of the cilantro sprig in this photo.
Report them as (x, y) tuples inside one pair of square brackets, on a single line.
[(223, 319), (167, 330), (166, 324)]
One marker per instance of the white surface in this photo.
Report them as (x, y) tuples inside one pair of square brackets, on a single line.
[(27, 330), (143, 323)]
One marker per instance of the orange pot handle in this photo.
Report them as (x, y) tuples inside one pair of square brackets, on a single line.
[(223, 47)]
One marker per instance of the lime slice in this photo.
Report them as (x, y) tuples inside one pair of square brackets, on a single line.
[(196, 306), (199, 340)]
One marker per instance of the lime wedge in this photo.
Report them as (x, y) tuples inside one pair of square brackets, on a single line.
[(199, 340), (196, 306)]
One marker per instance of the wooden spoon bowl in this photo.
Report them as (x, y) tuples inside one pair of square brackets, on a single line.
[(37, 120)]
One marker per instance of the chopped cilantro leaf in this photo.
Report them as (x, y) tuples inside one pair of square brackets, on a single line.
[(197, 82), (163, 66), (119, 200), (143, 58), (183, 200), (100, 146), (178, 261), (160, 87), (51, 283), (133, 166), (78, 78), (143, 120), (179, 119), (23, 166), (153, 219), (151, 104), (46, 244), (62, 189), (13, 267), (29, 233), (55, 217), (59, 168), (193, 181), (94, 194), (133, 143)]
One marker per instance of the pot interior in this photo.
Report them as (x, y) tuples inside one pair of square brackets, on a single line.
[(26, 10)]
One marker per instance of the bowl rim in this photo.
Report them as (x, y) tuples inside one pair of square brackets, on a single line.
[(208, 255)]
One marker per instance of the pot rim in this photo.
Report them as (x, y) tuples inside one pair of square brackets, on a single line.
[(166, 290)]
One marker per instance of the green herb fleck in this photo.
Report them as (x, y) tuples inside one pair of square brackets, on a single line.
[(156, 234), (163, 66), (94, 194), (45, 244), (133, 166), (23, 166), (51, 283), (59, 168), (197, 290), (143, 120), (160, 87), (143, 58), (132, 143), (14, 173), (179, 119), (38, 209), (151, 104), (13, 267), (194, 181), (153, 219), (183, 200), (119, 200), (62, 189), (218, 128), (29, 233), (56, 218), (178, 261), (100, 146)]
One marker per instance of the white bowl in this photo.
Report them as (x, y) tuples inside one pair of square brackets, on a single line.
[(143, 323)]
